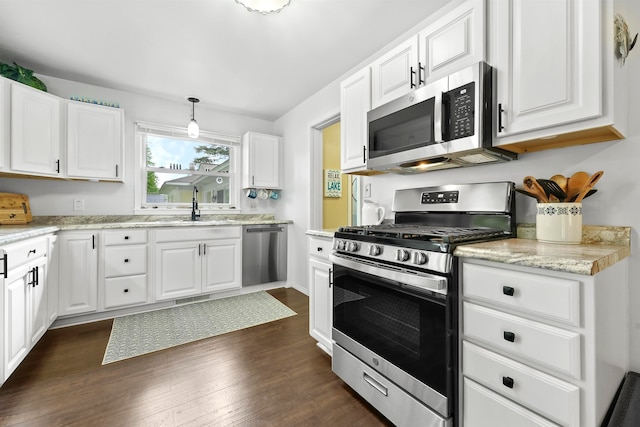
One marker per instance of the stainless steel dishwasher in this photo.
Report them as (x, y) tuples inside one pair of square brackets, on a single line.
[(264, 253)]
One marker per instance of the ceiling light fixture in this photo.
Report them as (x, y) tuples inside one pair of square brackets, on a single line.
[(264, 6), (193, 129)]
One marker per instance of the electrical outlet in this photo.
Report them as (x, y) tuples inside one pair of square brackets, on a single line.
[(78, 204), (367, 190), (252, 205)]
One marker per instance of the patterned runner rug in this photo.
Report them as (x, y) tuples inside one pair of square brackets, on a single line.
[(143, 333)]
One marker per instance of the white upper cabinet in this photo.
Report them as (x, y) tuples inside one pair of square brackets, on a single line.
[(355, 101), (35, 131), (5, 107), (556, 72), (454, 41), (451, 42), (260, 161), (94, 141), (395, 73)]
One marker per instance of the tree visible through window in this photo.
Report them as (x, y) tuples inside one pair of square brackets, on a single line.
[(174, 165)]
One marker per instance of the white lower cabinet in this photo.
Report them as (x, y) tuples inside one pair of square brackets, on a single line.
[(196, 261), (124, 268), (78, 272), (25, 299), (540, 347), (320, 292)]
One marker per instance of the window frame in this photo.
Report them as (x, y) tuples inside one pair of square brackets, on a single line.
[(143, 129)]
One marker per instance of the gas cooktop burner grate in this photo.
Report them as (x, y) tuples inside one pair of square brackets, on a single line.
[(425, 232)]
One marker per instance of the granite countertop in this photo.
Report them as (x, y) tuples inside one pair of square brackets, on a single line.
[(602, 247), (50, 224), (327, 232)]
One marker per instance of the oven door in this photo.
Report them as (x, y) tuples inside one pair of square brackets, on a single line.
[(400, 329), (408, 128)]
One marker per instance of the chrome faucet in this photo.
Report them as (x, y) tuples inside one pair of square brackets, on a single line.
[(194, 205)]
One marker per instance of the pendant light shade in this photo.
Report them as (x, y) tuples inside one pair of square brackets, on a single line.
[(193, 129), (264, 6)]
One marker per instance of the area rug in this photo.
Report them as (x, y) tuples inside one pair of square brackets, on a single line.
[(143, 333)]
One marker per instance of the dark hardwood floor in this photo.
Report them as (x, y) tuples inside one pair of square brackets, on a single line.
[(267, 375)]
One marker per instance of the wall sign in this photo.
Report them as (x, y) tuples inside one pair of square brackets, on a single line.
[(332, 183)]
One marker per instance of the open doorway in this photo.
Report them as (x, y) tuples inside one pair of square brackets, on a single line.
[(331, 204)]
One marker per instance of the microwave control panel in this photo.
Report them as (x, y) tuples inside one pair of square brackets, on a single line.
[(459, 104), (440, 197)]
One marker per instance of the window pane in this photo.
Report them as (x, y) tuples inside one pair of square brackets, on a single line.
[(164, 152), (178, 188)]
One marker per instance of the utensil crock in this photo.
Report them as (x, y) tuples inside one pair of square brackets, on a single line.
[(559, 223)]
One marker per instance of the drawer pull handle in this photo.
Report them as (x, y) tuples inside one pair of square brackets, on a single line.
[(126, 260), (375, 384), (508, 290), (507, 382), (126, 237), (32, 251), (509, 336), (126, 290)]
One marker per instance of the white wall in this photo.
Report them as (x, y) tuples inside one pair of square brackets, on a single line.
[(55, 197), (616, 203)]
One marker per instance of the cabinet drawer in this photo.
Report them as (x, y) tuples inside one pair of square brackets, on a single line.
[(125, 260), (125, 237), (20, 253), (482, 407), (121, 291), (182, 234), (547, 345), (547, 395), (320, 248), (551, 297)]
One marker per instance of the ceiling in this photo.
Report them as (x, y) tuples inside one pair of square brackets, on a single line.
[(232, 59)]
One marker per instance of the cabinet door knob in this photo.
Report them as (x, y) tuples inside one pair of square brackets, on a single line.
[(508, 290), (126, 260), (509, 336), (126, 237), (126, 290), (507, 382), (319, 249)]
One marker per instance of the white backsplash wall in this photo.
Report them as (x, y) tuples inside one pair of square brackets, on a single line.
[(55, 197)]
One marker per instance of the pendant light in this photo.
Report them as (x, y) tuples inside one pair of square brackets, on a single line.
[(264, 6), (193, 129)]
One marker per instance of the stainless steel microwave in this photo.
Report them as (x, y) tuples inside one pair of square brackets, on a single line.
[(444, 124)]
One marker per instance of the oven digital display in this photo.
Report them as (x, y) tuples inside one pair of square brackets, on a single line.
[(439, 197)]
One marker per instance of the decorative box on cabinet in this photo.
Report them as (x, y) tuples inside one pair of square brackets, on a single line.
[(540, 347), (261, 161), (320, 292), (95, 138), (35, 131), (559, 86), (197, 261), (124, 268)]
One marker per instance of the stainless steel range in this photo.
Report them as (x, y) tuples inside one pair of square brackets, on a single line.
[(395, 297)]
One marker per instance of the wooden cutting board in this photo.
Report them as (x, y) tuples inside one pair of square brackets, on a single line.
[(14, 209)]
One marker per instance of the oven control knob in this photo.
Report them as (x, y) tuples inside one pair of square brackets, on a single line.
[(341, 245), (420, 258), (374, 250), (352, 247), (402, 255)]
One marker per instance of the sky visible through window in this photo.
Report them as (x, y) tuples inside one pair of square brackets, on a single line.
[(165, 152)]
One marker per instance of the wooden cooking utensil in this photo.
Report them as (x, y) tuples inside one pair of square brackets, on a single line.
[(561, 180), (592, 181), (532, 186), (576, 183)]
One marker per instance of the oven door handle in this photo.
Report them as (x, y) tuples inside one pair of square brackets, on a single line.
[(424, 281)]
